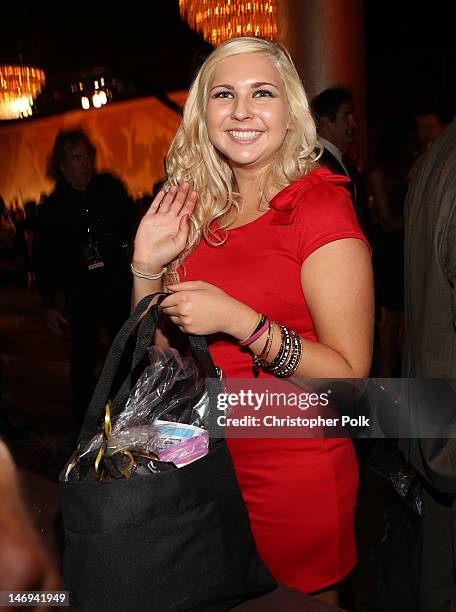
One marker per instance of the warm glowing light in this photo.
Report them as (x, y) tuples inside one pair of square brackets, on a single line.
[(96, 101), (19, 86), (91, 94), (219, 20)]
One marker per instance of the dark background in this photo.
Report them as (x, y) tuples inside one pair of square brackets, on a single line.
[(410, 50), (410, 56)]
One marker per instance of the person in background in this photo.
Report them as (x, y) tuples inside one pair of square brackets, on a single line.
[(429, 126), (387, 188), (7, 244), (25, 231), (429, 352), (31, 219), (81, 256), (334, 114)]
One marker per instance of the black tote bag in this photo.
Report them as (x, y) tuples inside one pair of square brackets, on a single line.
[(173, 541)]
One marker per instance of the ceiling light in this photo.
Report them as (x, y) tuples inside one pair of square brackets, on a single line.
[(19, 86), (219, 20)]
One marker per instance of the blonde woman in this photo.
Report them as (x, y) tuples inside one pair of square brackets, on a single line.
[(263, 252)]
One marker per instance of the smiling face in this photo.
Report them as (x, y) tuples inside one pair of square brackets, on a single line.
[(247, 114)]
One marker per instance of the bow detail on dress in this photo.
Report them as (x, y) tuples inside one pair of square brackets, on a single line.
[(286, 201)]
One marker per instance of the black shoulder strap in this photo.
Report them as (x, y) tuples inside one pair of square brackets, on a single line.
[(104, 386)]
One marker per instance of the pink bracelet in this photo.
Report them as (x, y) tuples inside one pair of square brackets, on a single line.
[(251, 339)]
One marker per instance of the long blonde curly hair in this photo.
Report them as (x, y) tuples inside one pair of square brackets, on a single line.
[(192, 157)]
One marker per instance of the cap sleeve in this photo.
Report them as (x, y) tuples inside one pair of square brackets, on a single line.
[(324, 213)]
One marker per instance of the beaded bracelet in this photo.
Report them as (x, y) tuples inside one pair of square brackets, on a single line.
[(295, 357), (284, 351), (289, 355), (140, 274)]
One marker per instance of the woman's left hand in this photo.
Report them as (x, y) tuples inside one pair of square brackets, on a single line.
[(200, 308)]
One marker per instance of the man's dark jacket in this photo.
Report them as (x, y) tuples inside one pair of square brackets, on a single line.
[(68, 216), (355, 187), (430, 352)]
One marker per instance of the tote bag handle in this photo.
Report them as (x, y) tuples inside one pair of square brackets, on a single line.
[(103, 390)]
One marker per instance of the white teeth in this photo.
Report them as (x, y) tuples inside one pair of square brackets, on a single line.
[(245, 135)]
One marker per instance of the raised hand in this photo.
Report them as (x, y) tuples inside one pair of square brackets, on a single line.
[(162, 233)]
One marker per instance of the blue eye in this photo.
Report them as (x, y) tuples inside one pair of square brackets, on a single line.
[(263, 93)]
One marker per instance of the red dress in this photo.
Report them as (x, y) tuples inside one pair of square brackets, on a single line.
[(300, 493)]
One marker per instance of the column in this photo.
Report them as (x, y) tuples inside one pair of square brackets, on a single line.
[(326, 41)]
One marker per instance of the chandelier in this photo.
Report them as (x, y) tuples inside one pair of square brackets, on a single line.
[(19, 86), (219, 20)]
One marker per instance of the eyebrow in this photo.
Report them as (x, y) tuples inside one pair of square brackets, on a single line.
[(264, 83), (253, 85)]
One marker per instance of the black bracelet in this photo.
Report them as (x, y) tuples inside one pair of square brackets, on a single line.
[(261, 322)]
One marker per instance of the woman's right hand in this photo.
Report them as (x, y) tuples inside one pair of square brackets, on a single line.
[(162, 233)]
